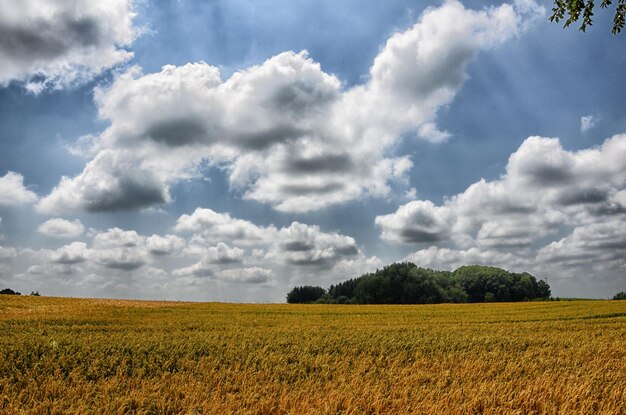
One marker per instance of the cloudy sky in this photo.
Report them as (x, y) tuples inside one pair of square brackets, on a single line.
[(229, 150)]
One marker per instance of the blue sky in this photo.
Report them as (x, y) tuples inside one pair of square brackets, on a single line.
[(231, 150)]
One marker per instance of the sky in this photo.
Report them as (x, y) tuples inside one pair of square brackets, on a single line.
[(230, 150)]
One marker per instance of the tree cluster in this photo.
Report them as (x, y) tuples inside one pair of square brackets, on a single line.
[(620, 296), (8, 291), (305, 294), (406, 283)]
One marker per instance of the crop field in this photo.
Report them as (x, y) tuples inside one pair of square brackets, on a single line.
[(84, 356)]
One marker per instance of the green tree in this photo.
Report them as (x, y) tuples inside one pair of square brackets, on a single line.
[(455, 294), (543, 290), (490, 297), (423, 287), (583, 10), (620, 296), (305, 294)]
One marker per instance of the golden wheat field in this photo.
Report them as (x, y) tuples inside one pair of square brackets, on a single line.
[(84, 356)]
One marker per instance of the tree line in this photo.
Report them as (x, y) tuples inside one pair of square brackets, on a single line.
[(406, 283)]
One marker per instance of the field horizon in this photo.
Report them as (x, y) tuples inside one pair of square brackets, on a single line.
[(157, 300)]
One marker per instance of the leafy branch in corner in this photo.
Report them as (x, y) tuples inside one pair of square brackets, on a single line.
[(575, 8)]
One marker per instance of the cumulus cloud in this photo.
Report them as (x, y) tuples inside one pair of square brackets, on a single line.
[(13, 192), (417, 221), (61, 228), (120, 258), (301, 244), (285, 132), (199, 269), (221, 226), (114, 249), (601, 244), (71, 254), (223, 254), (252, 275), (297, 244), (164, 245), (118, 238), (109, 182), (57, 43), (212, 259), (552, 209)]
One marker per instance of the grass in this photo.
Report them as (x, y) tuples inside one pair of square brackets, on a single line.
[(85, 356)]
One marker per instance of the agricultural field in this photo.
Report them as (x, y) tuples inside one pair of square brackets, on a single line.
[(87, 356)]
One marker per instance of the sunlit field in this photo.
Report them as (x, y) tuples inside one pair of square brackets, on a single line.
[(115, 357)]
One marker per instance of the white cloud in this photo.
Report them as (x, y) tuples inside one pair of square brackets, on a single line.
[(587, 122), (212, 258), (118, 238), (164, 245), (126, 259), (61, 228), (223, 254), (109, 182), (417, 221), (284, 131), (57, 43), (13, 192), (199, 269), (553, 209), (71, 254), (301, 244), (114, 249), (297, 244), (430, 132), (597, 245), (252, 275), (221, 226)]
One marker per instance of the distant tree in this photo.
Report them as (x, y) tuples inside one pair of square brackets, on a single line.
[(343, 300), (305, 294), (620, 296), (543, 290), (524, 287), (35, 293), (455, 294), (9, 291), (369, 290), (345, 288), (477, 281), (422, 287), (397, 283), (575, 8)]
